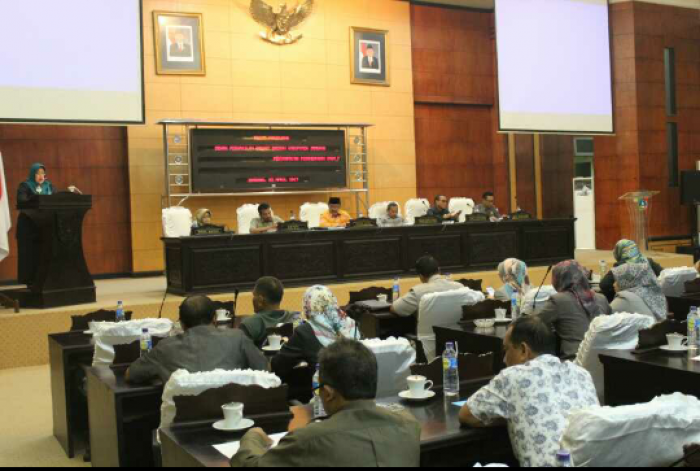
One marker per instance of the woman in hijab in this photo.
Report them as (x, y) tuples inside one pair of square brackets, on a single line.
[(326, 323), (28, 235), (639, 292), (514, 275), (626, 251), (575, 305)]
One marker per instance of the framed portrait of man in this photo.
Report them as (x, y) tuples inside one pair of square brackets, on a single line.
[(369, 57), (179, 39)]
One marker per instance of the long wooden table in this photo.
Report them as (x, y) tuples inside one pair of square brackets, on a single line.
[(223, 263), (634, 379), (443, 441)]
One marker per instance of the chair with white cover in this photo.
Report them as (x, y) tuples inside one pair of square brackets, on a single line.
[(394, 360), (416, 208), (532, 308), (108, 335), (616, 332), (379, 210), (466, 205), (246, 214), (442, 309), (673, 280), (177, 222), (647, 435), (311, 213)]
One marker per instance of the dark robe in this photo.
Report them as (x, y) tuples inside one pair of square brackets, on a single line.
[(28, 240)]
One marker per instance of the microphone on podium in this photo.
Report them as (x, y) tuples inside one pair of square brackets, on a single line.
[(549, 270)]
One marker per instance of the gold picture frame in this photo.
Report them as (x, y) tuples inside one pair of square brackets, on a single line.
[(179, 43), (363, 68)]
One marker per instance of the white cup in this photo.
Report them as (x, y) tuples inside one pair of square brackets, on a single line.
[(419, 385), (275, 341), (676, 341), (222, 315), (501, 314), (233, 415), (383, 298)]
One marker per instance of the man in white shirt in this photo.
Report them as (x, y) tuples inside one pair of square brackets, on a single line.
[(533, 396), (392, 218), (431, 282)]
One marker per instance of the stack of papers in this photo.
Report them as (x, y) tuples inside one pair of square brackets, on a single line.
[(229, 450)]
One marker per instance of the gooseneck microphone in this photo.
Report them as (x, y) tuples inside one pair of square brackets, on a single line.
[(549, 270)]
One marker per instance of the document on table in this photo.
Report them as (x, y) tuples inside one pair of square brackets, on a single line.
[(459, 404), (229, 450), (696, 359)]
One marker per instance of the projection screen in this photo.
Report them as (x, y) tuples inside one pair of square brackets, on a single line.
[(554, 66), (78, 61)]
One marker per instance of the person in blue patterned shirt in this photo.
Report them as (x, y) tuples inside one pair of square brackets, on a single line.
[(533, 396)]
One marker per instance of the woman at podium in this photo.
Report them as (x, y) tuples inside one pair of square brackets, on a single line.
[(28, 235)]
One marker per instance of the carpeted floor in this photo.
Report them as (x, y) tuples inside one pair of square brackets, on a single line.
[(26, 426)]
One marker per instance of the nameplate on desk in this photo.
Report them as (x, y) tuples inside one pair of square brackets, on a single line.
[(208, 230), (428, 221), (521, 216), (478, 217), (362, 223), (293, 226)]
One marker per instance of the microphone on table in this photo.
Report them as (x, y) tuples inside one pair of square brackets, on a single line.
[(549, 270), (235, 303)]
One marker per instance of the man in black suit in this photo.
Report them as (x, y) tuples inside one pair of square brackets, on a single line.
[(370, 61), (179, 48)]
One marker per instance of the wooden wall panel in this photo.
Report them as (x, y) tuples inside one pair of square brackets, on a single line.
[(557, 176), (95, 160), (525, 158)]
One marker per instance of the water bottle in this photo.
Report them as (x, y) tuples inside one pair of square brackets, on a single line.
[(515, 303), (450, 365), (120, 312), (693, 325), (397, 289), (603, 269), (292, 216), (564, 459), (319, 411), (146, 343)]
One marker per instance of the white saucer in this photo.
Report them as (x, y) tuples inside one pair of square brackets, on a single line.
[(507, 320), (244, 425), (89, 332), (407, 396), (667, 348), (272, 350)]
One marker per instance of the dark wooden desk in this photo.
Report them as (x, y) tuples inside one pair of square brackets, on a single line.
[(382, 325), (122, 419), (473, 340), (680, 306), (443, 441), (634, 379), (68, 352), (223, 263), (690, 250)]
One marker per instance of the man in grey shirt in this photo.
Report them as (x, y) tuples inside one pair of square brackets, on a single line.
[(267, 222), (488, 207), (202, 348), (392, 218), (431, 282)]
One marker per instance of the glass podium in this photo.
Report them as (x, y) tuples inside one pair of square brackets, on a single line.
[(639, 206)]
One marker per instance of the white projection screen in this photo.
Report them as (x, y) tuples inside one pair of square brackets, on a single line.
[(72, 61), (554, 66)]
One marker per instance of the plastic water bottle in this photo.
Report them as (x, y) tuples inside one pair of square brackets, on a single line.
[(603, 269), (693, 325), (292, 216), (397, 289), (564, 459), (146, 343), (450, 365), (515, 303), (319, 411), (120, 312)]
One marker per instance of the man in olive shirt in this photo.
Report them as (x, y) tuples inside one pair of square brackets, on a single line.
[(202, 348), (440, 210), (267, 297), (488, 207), (266, 222), (431, 282), (358, 434)]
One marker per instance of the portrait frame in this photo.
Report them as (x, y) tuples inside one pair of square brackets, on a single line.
[(361, 73), (179, 43)]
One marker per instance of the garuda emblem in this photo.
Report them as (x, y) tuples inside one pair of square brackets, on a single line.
[(280, 24)]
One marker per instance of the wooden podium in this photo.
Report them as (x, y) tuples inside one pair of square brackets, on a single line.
[(62, 278)]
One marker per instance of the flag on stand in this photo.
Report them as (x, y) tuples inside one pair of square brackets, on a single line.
[(5, 218)]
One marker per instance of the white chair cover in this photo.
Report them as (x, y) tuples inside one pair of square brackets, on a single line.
[(394, 359), (416, 208), (183, 383), (177, 222), (312, 212), (466, 205), (616, 332), (109, 334), (529, 308), (673, 280), (246, 214), (640, 436), (379, 210), (442, 309)]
